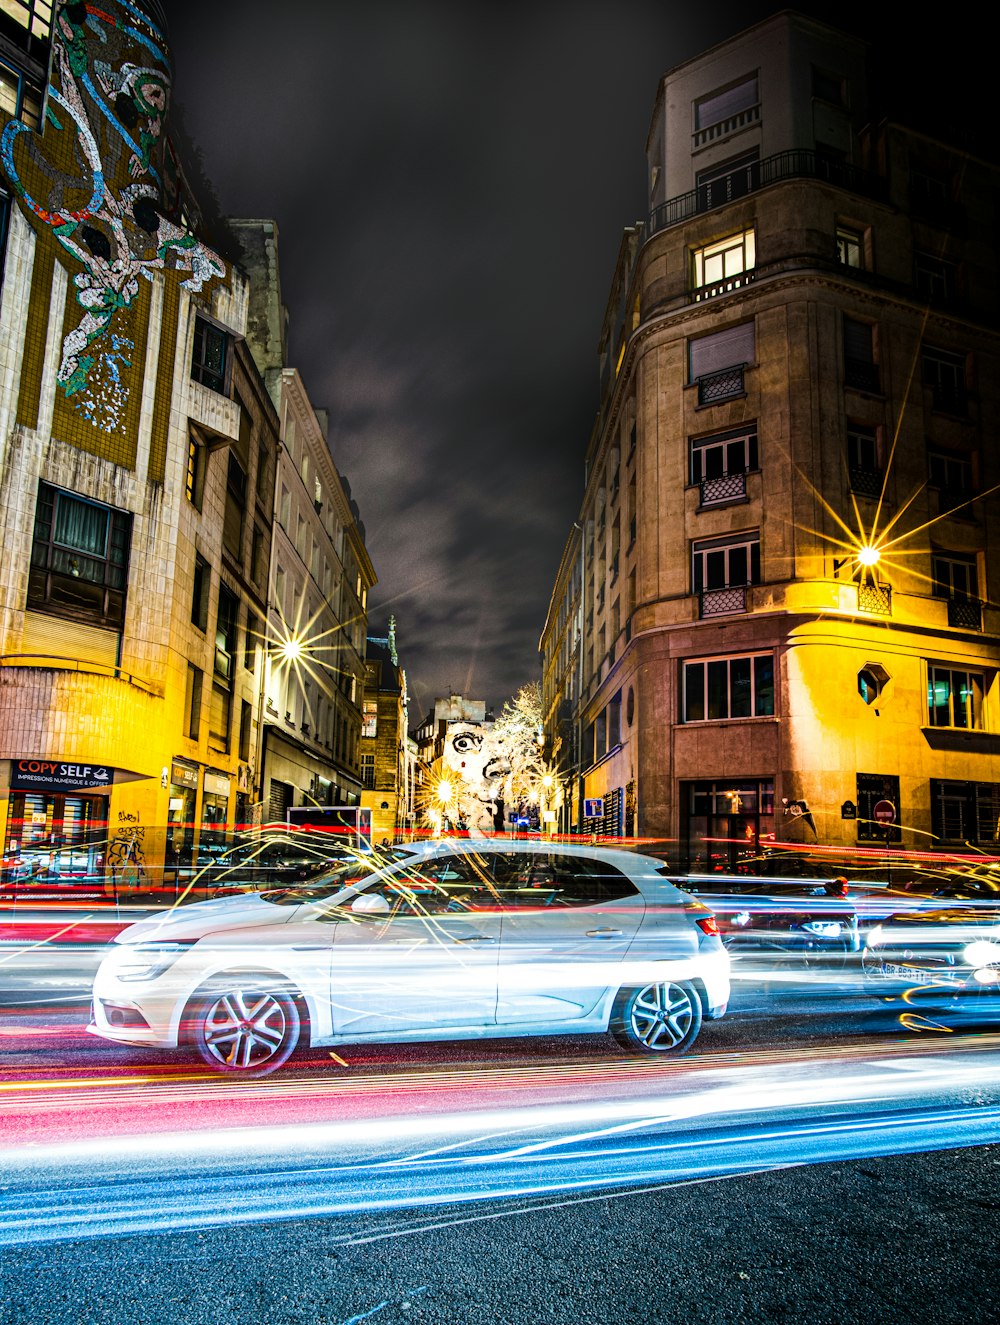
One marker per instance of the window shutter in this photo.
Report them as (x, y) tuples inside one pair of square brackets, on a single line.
[(721, 350)]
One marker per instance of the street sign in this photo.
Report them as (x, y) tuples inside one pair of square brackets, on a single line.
[(594, 809), (884, 812), (848, 810)]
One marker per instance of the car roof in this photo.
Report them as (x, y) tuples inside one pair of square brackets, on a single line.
[(629, 862)]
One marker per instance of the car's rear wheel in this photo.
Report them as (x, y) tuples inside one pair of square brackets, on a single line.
[(662, 1018), (244, 1026)]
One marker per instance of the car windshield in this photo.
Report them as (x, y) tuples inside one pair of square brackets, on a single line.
[(354, 869)]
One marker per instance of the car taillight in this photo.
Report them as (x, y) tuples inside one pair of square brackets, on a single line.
[(707, 925)]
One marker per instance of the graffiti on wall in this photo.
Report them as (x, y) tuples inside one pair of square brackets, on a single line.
[(126, 851), (102, 180)]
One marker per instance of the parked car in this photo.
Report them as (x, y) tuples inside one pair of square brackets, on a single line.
[(451, 940), (811, 918), (270, 858), (948, 948)]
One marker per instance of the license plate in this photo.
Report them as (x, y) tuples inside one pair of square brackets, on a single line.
[(915, 974)]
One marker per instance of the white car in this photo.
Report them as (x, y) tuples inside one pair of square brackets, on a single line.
[(442, 941)]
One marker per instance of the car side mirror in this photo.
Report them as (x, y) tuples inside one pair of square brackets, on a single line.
[(370, 904)]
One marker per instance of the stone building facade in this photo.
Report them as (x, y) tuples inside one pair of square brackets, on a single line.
[(137, 456), (790, 524), (386, 767), (320, 576)]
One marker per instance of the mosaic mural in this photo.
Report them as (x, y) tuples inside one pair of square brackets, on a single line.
[(103, 181)]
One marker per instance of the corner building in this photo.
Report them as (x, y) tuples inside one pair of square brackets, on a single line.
[(790, 524), (137, 461)]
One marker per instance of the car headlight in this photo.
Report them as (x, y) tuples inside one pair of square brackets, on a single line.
[(824, 929), (146, 961), (875, 936), (981, 953)]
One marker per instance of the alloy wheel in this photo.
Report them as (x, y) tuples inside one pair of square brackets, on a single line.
[(243, 1030), (661, 1015)]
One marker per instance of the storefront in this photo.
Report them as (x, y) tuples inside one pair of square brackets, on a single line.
[(724, 824), (57, 826)]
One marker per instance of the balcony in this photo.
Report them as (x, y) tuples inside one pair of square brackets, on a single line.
[(861, 374), (724, 286), (866, 482), (723, 128), (759, 175), (724, 385), (875, 599), (965, 613), (723, 602), (723, 488)]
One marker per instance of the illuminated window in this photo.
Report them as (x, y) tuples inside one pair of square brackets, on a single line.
[(719, 688), (368, 771), (369, 718), (850, 247), (194, 484), (954, 698), (725, 265), (872, 680), (35, 16)]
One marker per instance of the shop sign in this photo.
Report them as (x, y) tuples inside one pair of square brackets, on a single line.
[(184, 775), (51, 775), (216, 784)]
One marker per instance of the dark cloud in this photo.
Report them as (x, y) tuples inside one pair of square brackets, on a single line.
[(450, 183)]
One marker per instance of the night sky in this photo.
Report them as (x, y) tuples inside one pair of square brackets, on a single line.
[(450, 182)]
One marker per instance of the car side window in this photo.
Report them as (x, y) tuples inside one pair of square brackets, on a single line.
[(528, 881), (447, 885)]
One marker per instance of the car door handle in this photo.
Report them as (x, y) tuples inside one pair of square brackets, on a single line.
[(475, 938), (604, 933)]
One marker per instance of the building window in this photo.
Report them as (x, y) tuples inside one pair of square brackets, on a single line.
[(79, 558), (717, 362), (369, 718), (951, 474), (954, 698), (966, 812), (192, 701), (250, 644), (236, 505), (872, 788), (934, 278), (220, 718), (945, 374), (199, 592), (721, 570), (829, 87), (246, 710), (197, 463), (368, 771), (728, 180), (725, 265), (860, 366), (225, 634), (720, 688), (724, 824), (20, 97), (954, 575), (850, 247), (210, 357), (865, 469), (956, 578), (726, 110), (719, 464)]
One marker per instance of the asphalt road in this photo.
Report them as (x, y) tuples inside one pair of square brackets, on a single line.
[(516, 1180)]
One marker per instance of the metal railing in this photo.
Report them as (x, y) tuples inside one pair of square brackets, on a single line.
[(723, 385), (861, 374), (725, 487), (966, 613), (723, 286), (759, 175), (720, 602), (866, 482), (875, 599)]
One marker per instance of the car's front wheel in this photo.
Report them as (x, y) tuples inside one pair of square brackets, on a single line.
[(245, 1027), (664, 1017)]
